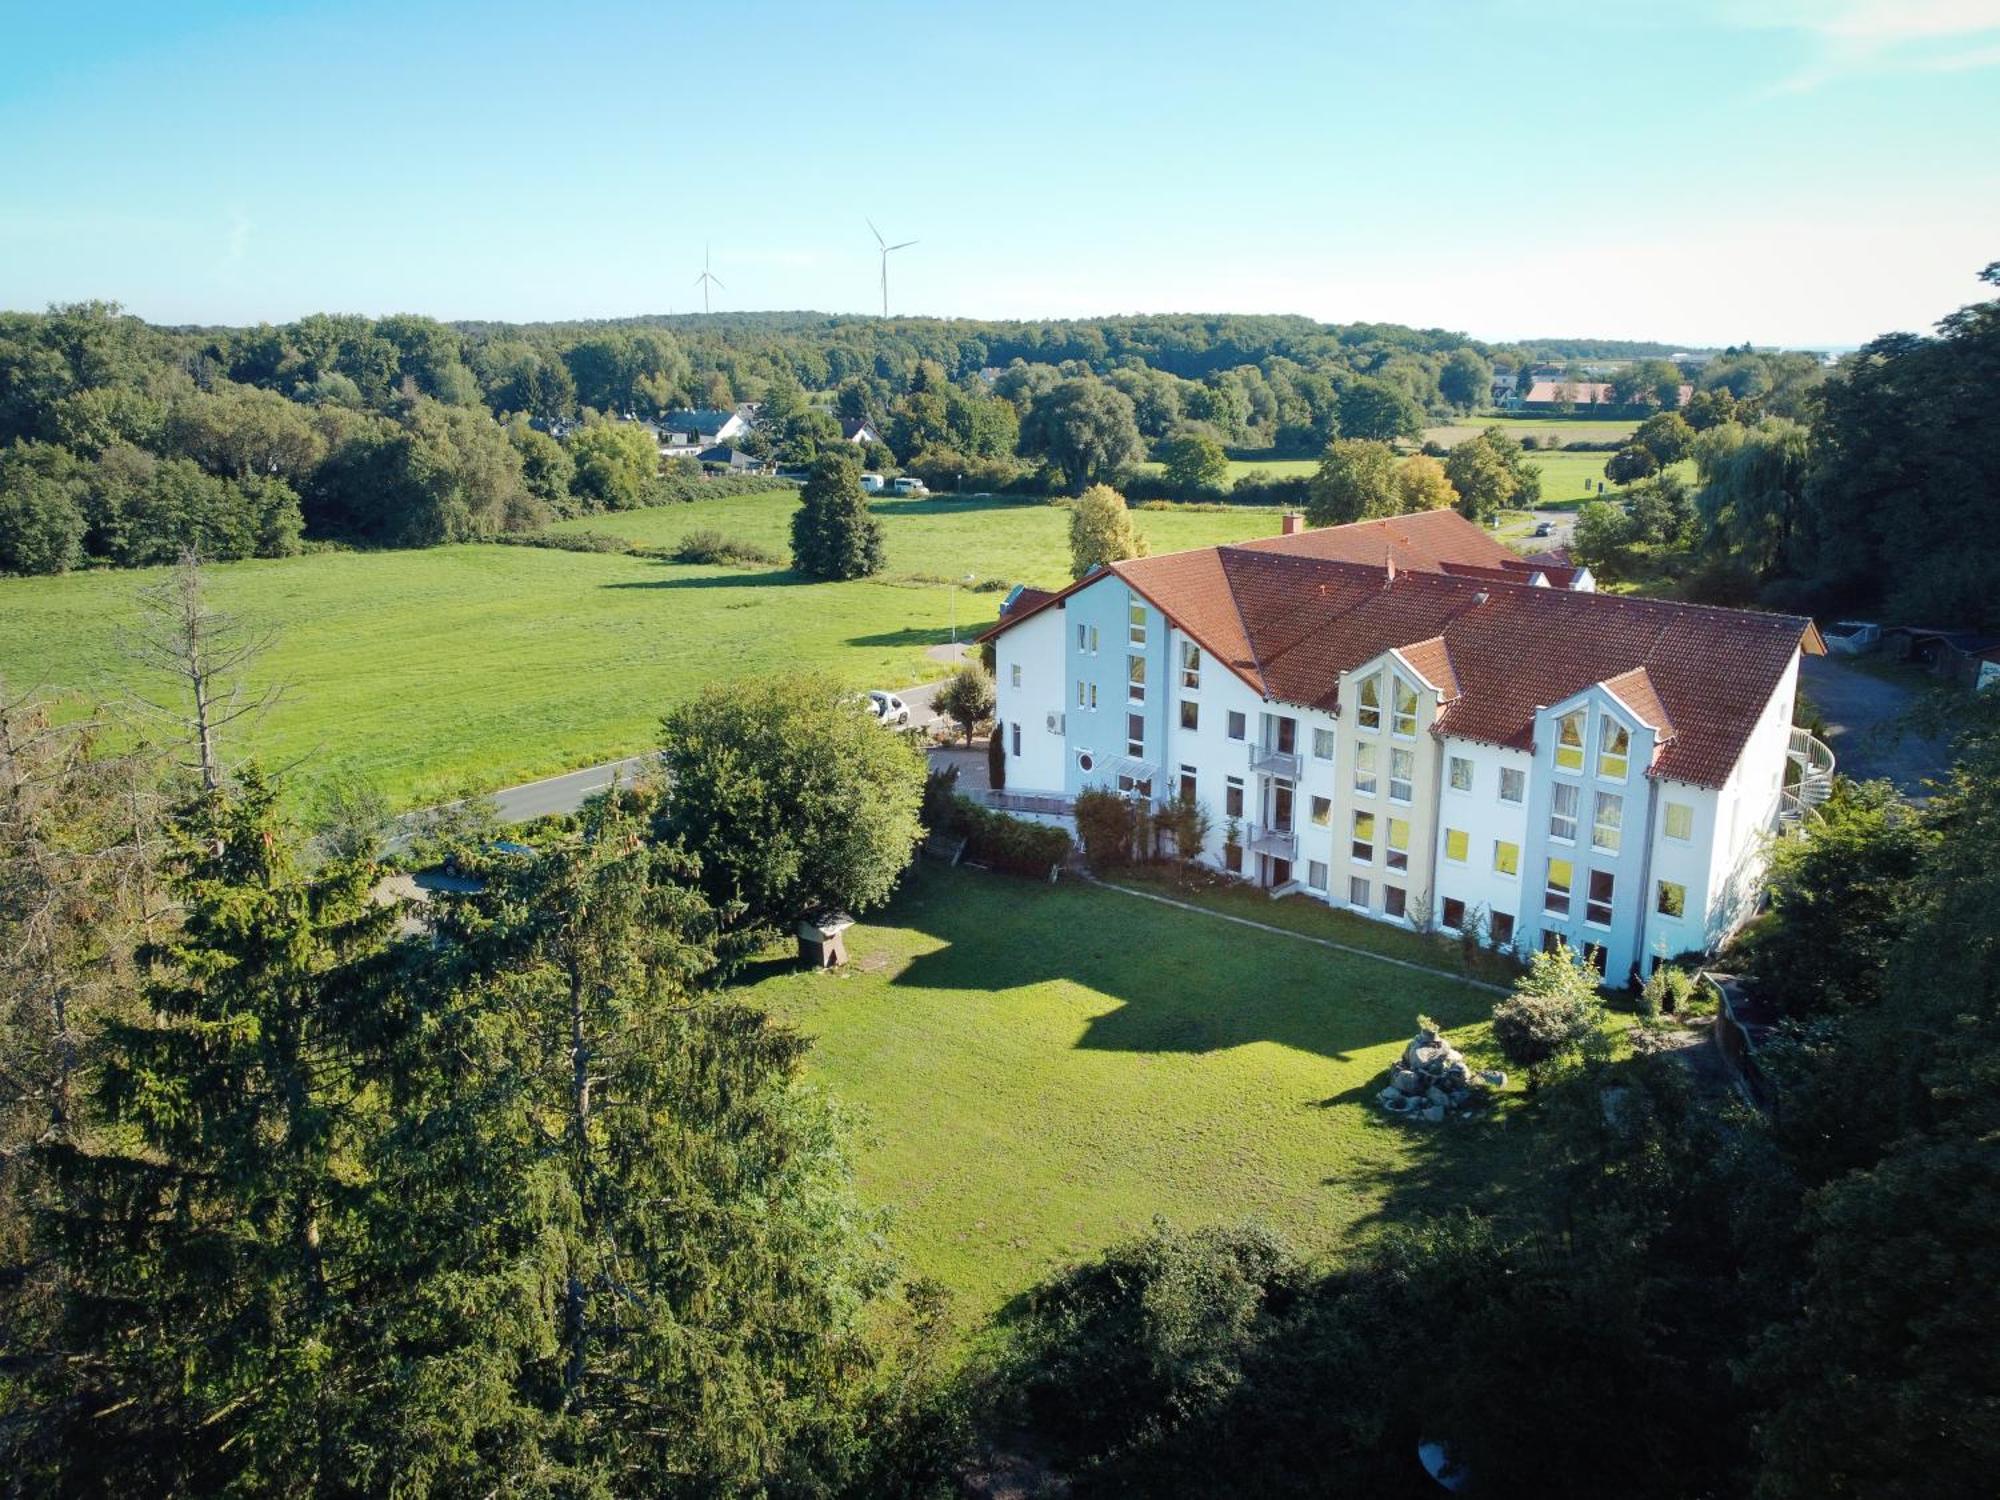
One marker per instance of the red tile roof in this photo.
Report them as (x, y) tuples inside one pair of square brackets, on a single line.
[(1290, 623)]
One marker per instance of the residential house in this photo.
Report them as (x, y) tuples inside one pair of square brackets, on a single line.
[(859, 430), (1960, 656), (1384, 718), (722, 456), (698, 428), (1584, 395)]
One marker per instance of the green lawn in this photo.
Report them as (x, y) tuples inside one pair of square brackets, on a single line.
[(1521, 428), (1019, 541), (1041, 1070), (1262, 468), (481, 666)]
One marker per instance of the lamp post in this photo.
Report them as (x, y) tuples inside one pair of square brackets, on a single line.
[(967, 580)]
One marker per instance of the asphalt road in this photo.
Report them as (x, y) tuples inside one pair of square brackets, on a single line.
[(566, 793), (1870, 722)]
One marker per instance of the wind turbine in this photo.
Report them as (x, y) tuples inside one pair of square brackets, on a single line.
[(705, 280), (887, 250)]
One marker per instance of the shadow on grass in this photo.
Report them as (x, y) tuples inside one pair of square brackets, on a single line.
[(769, 578), (1184, 984), (909, 635)]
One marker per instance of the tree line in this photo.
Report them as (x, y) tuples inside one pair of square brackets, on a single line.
[(1875, 497)]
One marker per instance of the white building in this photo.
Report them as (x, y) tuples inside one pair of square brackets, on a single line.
[(1391, 718)]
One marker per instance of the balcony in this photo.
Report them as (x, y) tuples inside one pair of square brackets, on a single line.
[(1279, 843), (1267, 761)]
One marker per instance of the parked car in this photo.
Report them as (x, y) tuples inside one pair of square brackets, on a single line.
[(1545, 529), (889, 709), (909, 484), (873, 483)]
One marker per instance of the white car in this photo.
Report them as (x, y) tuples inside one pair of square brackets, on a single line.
[(909, 484), (889, 709)]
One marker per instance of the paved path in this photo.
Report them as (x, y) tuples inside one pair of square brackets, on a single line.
[(1868, 720)]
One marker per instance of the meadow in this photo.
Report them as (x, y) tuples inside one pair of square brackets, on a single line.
[(1041, 1070), (435, 672)]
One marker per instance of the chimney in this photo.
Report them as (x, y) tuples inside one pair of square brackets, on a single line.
[(1293, 523), (1389, 568)]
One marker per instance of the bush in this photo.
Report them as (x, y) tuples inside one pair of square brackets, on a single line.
[(1553, 1009), (1151, 1336), (938, 810), (564, 541), (710, 546), (1666, 992), (1013, 845), (1110, 826), (996, 760)]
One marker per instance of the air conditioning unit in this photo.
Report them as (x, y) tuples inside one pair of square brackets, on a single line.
[(1055, 724)]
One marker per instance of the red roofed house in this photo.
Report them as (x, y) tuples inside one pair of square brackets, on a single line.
[(1395, 718), (1584, 394)]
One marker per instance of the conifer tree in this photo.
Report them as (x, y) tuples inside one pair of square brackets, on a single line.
[(833, 534)]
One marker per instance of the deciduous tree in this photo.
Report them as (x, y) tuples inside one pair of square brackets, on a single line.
[(1101, 531)]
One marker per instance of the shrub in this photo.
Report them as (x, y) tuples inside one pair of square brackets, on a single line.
[(938, 809), (710, 546), (1187, 822), (1667, 991), (564, 541), (1013, 845), (1553, 1009), (1110, 827), (996, 760), (1153, 1335)]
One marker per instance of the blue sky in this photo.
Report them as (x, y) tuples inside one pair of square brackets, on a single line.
[(1787, 171)]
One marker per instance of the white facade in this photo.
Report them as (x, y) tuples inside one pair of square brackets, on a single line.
[(1445, 829)]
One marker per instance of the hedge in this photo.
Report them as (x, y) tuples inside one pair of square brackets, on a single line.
[(1010, 844)]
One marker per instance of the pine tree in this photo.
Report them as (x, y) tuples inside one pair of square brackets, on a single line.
[(634, 1255), (833, 534), (211, 1240)]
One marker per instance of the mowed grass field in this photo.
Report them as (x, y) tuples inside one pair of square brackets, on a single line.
[(475, 667), (1262, 468), (1041, 1070), (1521, 428)]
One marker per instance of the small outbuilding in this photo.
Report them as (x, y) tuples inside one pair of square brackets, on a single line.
[(823, 940)]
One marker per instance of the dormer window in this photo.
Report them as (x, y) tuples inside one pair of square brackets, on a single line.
[(1370, 714), (1405, 721), (1569, 742), (1614, 749)]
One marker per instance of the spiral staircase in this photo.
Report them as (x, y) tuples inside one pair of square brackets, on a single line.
[(1800, 802)]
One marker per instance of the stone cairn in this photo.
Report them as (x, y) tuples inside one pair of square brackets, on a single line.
[(1431, 1079)]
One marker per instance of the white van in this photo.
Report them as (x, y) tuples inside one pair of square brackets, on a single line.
[(873, 483), (909, 484)]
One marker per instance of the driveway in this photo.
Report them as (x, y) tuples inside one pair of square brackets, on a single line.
[(1868, 715)]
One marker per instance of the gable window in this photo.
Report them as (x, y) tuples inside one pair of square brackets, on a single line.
[(1364, 769), (1232, 797), (1563, 801), (1014, 675), (1322, 744), (1369, 713), (1513, 784), (1569, 741), (1398, 857), (1086, 639), (1322, 812), (1614, 749), (1392, 900), (1402, 771), (1500, 928), (1461, 774), (1671, 899), (1555, 890), (1135, 623), (1357, 892), (1238, 725), (1597, 908), (1680, 821), (1135, 678), (1135, 734), (1190, 666), (1506, 858), (1363, 846), (1187, 789), (1190, 714), (1316, 875), (1456, 845), (1405, 720), (1607, 821)]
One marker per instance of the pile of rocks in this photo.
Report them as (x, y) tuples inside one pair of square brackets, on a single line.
[(1431, 1079)]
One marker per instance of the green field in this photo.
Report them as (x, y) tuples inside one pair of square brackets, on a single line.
[(1041, 1070), (1262, 468), (1562, 429), (482, 666)]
